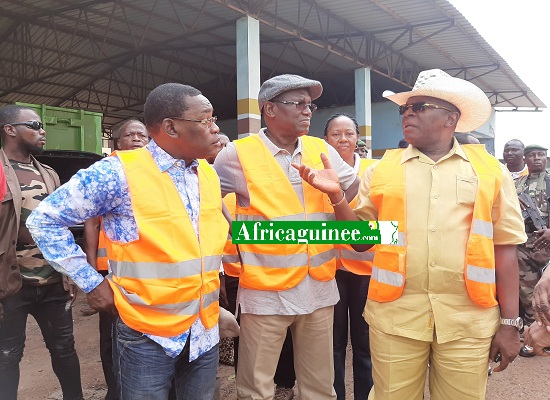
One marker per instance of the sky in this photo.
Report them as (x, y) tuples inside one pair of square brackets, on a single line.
[(519, 32)]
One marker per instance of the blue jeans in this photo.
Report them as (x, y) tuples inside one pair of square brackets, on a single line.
[(353, 295), (144, 371), (50, 307)]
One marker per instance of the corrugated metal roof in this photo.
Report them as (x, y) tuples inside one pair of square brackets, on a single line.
[(106, 55)]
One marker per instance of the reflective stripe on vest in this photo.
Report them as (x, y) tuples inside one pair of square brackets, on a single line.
[(389, 270), (168, 277), (102, 252), (231, 260), (102, 262), (359, 263), (272, 197)]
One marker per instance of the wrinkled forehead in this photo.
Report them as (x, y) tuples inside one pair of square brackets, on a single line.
[(538, 152), (134, 126)]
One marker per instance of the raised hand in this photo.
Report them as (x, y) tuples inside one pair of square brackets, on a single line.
[(326, 180)]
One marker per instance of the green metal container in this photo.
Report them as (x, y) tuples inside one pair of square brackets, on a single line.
[(68, 129)]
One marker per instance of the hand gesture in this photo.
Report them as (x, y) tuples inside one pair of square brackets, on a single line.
[(325, 180)]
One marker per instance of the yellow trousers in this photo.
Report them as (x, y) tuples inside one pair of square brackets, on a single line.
[(458, 369)]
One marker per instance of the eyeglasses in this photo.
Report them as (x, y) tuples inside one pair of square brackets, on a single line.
[(34, 125), (416, 107), (206, 122), (300, 105)]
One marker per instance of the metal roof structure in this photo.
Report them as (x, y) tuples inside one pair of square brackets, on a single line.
[(106, 55)]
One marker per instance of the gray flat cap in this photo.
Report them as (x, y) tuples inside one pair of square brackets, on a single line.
[(283, 83)]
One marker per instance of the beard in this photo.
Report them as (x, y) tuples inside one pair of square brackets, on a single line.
[(35, 150)]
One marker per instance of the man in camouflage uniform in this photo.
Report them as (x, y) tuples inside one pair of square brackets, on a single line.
[(534, 254), (28, 284)]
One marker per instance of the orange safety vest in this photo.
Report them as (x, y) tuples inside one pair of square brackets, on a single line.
[(167, 278), (231, 261), (282, 266), (387, 192), (102, 261), (359, 263)]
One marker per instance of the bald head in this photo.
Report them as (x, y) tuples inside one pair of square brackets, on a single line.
[(515, 142)]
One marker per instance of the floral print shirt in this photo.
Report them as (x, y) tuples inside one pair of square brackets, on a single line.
[(102, 190)]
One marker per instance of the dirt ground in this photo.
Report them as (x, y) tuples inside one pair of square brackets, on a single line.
[(527, 378)]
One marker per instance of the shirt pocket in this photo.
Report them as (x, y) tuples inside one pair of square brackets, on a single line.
[(466, 189)]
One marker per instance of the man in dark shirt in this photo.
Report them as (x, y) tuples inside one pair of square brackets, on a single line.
[(28, 284)]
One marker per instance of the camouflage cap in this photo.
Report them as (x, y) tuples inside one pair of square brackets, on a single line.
[(533, 147), (360, 143)]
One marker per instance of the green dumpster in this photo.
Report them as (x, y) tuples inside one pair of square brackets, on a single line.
[(68, 129)]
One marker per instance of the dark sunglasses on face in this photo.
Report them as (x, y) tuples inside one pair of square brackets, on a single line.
[(34, 125), (421, 106)]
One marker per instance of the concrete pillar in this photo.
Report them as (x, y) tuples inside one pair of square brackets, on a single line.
[(363, 109), (248, 76)]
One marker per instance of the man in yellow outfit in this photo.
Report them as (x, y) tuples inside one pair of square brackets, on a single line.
[(433, 294)]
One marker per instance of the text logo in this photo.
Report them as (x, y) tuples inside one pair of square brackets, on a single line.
[(314, 232)]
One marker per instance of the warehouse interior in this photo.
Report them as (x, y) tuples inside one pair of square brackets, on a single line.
[(104, 56)]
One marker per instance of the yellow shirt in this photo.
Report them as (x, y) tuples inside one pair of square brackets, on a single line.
[(440, 197)]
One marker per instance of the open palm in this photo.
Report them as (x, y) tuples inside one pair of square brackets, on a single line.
[(326, 180)]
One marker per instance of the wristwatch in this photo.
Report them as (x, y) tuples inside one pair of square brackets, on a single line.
[(517, 322)]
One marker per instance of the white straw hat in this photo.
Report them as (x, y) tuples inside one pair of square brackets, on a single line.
[(474, 106)]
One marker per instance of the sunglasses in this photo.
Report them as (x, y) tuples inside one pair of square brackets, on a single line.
[(417, 107), (34, 125)]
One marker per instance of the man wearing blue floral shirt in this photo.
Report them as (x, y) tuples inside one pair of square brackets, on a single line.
[(164, 283)]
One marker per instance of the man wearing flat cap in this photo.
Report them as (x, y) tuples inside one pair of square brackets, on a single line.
[(433, 294), (534, 254), (282, 286)]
